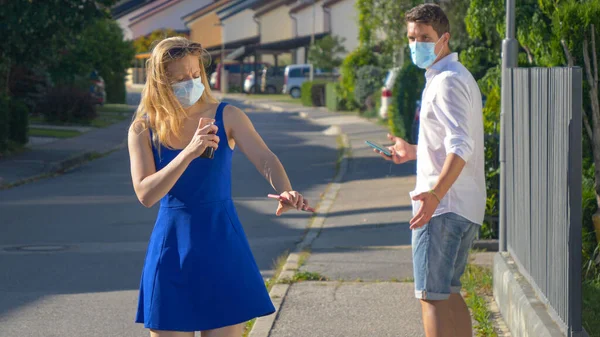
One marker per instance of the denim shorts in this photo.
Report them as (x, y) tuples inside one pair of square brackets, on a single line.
[(440, 252)]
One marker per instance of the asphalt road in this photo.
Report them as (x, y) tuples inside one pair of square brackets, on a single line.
[(72, 247)]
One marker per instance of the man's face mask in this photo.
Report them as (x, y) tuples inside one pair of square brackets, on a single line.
[(188, 92), (423, 53)]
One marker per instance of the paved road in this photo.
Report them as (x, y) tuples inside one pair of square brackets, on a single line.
[(88, 285)]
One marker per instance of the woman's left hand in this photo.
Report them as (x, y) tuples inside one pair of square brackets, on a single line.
[(291, 200)]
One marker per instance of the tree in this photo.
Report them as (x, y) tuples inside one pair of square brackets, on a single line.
[(575, 25), (325, 53), (99, 46), (144, 44), (35, 32)]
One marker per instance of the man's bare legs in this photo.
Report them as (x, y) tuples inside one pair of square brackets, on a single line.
[(437, 319), (447, 318), (460, 316)]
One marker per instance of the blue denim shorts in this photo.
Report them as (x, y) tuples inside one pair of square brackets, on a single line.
[(440, 252)]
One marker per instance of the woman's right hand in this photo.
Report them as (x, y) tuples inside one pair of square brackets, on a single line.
[(205, 136)]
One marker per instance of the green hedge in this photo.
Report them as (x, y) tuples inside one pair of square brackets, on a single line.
[(4, 122), (407, 91), (308, 97), (369, 79), (115, 89), (332, 98), (360, 57), (18, 121)]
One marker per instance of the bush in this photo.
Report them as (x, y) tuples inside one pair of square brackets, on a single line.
[(368, 80), (360, 57), (115, 89), (332, 99), (68, 104), (4, 122), (313, 93), (407, 91), (18, 121), (29, 85), (306, 94)]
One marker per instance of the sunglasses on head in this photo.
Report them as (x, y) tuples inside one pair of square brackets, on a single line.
[(177, 52)]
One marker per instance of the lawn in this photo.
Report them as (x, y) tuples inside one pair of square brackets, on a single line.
[(477, 284), (277, 98), (591, 307), (38, 132), (107, 115)]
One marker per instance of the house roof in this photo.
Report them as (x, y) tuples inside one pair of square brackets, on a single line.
[(300, 6), (235, 8), (125, 7), (205, 10), (330, 3), (268, 5), (153, 10)]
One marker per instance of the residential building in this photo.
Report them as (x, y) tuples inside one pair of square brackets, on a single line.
[(341, 19)]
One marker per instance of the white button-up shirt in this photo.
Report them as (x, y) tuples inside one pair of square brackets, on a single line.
[(451, 121)]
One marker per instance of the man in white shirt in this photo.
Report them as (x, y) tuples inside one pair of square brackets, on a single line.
[(450, 194)]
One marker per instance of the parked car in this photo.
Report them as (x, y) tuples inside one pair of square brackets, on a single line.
[(213, 80), (296, 74), (386, 91), (249, 86), (272, 80), (234, 73), (293, 77), (97, 88)]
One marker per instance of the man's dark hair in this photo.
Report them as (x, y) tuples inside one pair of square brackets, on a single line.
[(429, 14)]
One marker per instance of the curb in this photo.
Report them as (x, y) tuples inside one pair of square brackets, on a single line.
[(62, 166), (486, 245), (263, 325)]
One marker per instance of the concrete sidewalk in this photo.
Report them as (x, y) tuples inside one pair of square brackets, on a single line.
[(59, 155), (358, 247)]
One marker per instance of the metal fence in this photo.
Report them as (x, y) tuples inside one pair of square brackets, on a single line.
[(543, 185)]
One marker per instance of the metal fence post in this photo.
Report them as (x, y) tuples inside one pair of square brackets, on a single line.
[(509, 60), (575, 205)]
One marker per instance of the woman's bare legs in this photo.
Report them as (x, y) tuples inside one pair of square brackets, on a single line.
[(228, 331), (162, 333)]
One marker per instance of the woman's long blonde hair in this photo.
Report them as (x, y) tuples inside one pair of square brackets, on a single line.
[(159, 109)]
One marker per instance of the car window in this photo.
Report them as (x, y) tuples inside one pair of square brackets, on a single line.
[(296, 72), (232, 68), (249, 67)]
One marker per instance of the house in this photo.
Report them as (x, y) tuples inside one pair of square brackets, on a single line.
[(308, 18), (166, 14), (205, 25), (141, 17), (341, 19), (124, 10)]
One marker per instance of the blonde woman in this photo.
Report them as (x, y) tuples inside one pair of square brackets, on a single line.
[(199, 273)]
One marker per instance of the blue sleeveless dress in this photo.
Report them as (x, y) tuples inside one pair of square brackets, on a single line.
[(199, 272)]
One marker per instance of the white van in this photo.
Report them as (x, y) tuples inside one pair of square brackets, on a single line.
[(293, 77)]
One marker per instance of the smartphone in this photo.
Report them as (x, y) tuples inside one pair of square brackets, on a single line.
[(209, 152), (379, 148)]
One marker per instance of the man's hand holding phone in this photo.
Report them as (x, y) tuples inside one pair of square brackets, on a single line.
[(401, 152)]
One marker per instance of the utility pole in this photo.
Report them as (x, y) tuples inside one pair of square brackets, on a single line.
[(312, 36), (224, 77), (509, 60)]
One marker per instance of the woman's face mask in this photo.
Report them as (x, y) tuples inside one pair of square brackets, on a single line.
[(188, 92), (423, 53)]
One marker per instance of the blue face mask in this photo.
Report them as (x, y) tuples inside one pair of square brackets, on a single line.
[(423, 53), (188, 92)]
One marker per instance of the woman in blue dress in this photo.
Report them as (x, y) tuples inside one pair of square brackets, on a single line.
[(199, 273)]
